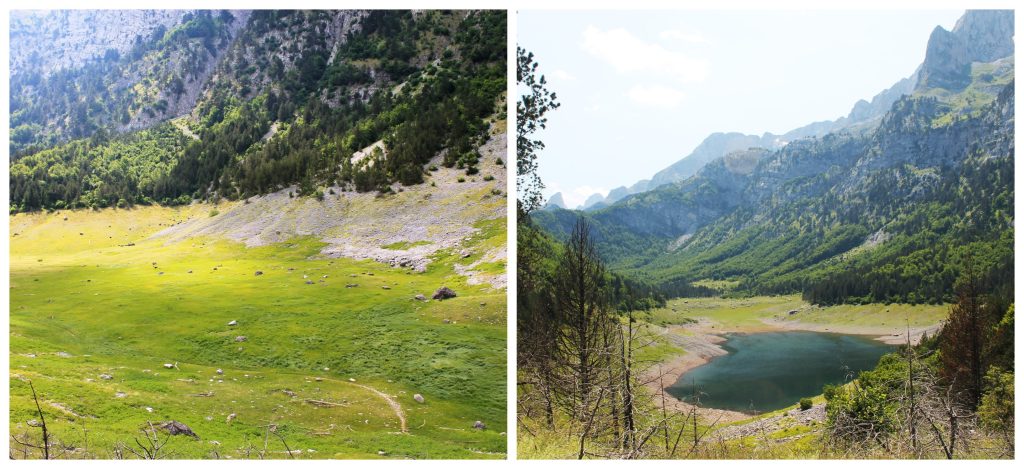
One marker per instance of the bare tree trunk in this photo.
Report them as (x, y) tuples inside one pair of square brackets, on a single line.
[(627, 381)]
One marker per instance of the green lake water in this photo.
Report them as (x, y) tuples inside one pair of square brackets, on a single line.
[(768, 371)]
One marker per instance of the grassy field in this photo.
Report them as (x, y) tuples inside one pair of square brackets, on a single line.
[(98, 308), (751, 314)]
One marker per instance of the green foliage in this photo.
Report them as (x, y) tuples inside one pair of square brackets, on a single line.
[(867, 407), (806, 403), (997, 404), (83, 173), (530, 111)]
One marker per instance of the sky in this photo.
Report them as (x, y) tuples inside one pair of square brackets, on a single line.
[(641, 89)]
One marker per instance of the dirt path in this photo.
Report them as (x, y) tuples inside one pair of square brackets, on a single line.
[(395, 406)]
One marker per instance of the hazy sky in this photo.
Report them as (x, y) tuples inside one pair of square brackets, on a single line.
[(641, 89)]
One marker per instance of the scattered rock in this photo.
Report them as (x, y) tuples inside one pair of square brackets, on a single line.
[(120, 395), (190, 271), (106, 377), (447, 321), (241, 338), (382, 453), (465, 254), (352, 380), (385, 287), (309, 282), (420, 297), (443, 293), (170, 365), (231, 417), (63, 354), (418, 398), (220, 371), (479, 425), (288, 393), (233, 323), (259, 272), (792, 312), (149, 409)]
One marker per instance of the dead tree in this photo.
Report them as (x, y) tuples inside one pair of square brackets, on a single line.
[(582, 305)]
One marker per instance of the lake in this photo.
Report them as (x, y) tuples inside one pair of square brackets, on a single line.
[(772, 370)]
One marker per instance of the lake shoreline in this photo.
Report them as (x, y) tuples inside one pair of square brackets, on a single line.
[(701, 342)]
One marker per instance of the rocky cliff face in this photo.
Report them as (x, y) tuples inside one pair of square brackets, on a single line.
[(979, 36), (47, 41)]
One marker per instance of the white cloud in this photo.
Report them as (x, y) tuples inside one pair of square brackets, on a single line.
[(563, 75), (655, 96), (677, 35), (628, 53)]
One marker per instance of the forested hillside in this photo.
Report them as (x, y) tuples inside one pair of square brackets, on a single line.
[(234, 104), (885, 214)]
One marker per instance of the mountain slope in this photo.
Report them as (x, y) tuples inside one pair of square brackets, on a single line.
[(273, 98), (863, 116), (890, 213)]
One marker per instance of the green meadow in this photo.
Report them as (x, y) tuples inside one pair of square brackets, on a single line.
[(323, 361)]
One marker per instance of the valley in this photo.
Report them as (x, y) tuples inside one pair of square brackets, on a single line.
[(843, 290), (328, 351), (258, 234)]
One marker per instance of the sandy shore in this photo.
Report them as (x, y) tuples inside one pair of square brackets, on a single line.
[(702, 343), (888, 335)]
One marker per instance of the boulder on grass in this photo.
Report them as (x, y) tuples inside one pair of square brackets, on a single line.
[(443, 293), (175, 427)]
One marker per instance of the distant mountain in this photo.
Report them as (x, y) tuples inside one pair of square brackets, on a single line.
[(879, 212), (556, 201), (593, 199), (864, 114)]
